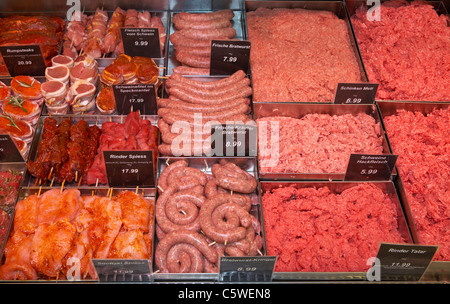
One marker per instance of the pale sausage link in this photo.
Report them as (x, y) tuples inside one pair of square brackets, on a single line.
[(220, 234), (185, 258), (186, 177), (182, 236), (162, 180), (178, 210), (231, 177)]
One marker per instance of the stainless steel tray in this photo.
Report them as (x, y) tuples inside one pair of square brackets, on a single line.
[(336, 187), (439, 269), (237, 21), (298, 110), (100, 191), (205, 163), (31, 181), (352, 5), (337, 7)]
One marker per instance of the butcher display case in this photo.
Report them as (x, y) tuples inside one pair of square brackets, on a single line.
[(138, 264)]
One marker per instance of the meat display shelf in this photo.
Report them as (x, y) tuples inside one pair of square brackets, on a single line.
[(438, 271)]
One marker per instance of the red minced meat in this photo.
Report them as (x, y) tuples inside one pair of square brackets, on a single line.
[(407, 51), (315, 230), (299, 55), (422, 143)]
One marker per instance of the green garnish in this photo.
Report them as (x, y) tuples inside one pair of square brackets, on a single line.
[(17, 102), (11, 120), (24, 84)]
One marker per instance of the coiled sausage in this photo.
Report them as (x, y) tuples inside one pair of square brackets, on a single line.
[(175, 237)]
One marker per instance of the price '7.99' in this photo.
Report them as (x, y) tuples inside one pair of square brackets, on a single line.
[(229, 59)]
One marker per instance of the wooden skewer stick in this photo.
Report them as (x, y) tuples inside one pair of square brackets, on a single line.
[(62, 185), (51, 183), (50, 173), (79, 183), (76, 175), (39, 193), (137, 189)]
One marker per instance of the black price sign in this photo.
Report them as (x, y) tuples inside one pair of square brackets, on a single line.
[(118, 270), (246, 269), (229, 56), (233, 140), (401, 262), (23, 60), (8, 150), (355, 93), (368, 167), (129, 168), (134, 97), (141, 42)]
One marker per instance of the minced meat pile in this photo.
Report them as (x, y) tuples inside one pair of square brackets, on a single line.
[(299, 55), (315, 230), (407, 52), (315, 143), (422, 143)]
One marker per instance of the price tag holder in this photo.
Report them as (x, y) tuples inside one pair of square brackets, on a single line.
[(229, 56), (129, 168), (234, 140), (355, 93), (141, 42), (8, 150), (246, 269), (404, 261), (134, 97), (119, 270), (368, 167), (23, 60)]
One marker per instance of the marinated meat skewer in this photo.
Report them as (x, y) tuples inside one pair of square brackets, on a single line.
[(66, 151), (113, 37)]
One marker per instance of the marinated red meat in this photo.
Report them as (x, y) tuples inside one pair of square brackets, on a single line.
[(134, 134), (44, 31), (422, 143), (4, 225), (316, 143), (406, 52), (9, 187), (299, 55), (314, 229)]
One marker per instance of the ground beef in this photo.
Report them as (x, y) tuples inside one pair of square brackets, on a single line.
[(406, 52), (313, 229), (299, 55), (316, 143), (422, 143)]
